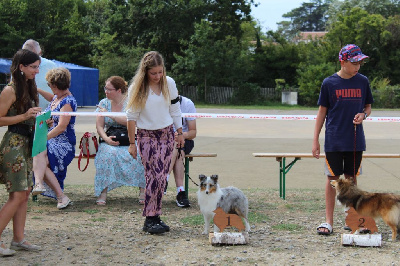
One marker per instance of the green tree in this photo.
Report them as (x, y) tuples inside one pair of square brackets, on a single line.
[(209, 61), (308, 17), (55, 24), (278, 59), (310, 81)]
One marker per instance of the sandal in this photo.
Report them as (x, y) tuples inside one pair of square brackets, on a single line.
[(63, 202), (324, 226), (4, 252), (101, 202), (142, 198), (38, 189), (347, 228)]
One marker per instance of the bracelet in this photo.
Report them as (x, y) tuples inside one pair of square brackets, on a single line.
[(365, 115), (132, 143)]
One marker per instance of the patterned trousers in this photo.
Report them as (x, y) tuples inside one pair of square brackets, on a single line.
[(155, 147)]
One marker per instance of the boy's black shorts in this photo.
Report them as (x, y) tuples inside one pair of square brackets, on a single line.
[(189, 145), (338, 163)]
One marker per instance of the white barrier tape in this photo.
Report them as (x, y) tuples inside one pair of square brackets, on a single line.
[(230, 116)]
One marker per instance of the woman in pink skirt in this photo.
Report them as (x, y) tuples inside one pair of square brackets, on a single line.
[(153, 107)]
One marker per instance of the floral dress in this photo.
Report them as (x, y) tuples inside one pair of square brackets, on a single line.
[(16, 158), (61, 149), (115, 167)]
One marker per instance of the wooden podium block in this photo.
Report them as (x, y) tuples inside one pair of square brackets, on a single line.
[(228, 238), (367, 240), (358, 222)]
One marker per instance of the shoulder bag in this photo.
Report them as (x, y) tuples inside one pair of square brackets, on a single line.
[(88, 147)]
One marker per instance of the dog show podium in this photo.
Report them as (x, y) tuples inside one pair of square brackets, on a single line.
[(223, 220)]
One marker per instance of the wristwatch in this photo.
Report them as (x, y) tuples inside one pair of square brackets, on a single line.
[(365, 115)]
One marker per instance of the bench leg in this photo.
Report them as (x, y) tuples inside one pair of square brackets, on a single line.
[(282, 167), (283, 170), (187, 176)]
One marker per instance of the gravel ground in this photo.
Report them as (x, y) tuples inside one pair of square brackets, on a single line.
[(283, 233)]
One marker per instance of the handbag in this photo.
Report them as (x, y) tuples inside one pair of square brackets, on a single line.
[(120, 133), (88, 147)]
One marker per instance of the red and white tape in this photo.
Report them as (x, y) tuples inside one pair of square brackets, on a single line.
[(229, 116)]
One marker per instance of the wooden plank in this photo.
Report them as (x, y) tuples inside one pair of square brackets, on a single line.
[(309, 155), (190, 155), (367, 240)]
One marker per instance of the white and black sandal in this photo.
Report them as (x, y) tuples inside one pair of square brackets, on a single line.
[(325, 226)]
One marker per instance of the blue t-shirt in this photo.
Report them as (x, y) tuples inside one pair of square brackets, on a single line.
[(344, 98)]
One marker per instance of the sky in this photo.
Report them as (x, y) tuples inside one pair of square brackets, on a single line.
[(269, 12)]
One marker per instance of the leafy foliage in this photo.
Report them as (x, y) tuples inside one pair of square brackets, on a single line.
[(310, 80), (212, 42)]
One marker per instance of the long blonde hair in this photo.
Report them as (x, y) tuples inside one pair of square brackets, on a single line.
[(139, 88)]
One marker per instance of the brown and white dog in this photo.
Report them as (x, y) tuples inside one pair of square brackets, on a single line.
[(375, 205), (230, 199)]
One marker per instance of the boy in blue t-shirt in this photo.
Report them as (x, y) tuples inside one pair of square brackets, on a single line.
[(344, 102)]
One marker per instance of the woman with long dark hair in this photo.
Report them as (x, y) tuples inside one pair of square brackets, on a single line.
[(18, 109)]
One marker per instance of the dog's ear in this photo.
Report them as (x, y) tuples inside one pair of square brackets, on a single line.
[(352, 180), (214, 178), (202, 178)]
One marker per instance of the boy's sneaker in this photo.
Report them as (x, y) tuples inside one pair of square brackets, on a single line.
[(181, 200)]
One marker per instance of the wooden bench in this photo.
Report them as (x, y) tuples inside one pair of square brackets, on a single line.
[(284, 169), (188, 158)]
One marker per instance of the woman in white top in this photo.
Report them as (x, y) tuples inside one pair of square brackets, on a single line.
[(153, 107)]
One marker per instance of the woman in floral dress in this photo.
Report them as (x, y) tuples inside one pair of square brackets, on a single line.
[(18, 109), (51, 165), (115, 167)]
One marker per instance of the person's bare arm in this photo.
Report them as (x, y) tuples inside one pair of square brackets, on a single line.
[(316, 149), (131, 133), (7, 98), (47, 95), (62, 123), (192, 131)]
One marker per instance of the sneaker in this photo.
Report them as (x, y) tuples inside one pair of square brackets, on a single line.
[(165, 189), (166, 227), (63, 202), (152, 226), (181, 200)]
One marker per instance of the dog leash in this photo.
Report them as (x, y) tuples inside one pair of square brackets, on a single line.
[(184, 167), (355, 148)]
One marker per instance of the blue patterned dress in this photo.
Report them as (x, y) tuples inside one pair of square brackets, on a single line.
[(115, 167), (61, 149)]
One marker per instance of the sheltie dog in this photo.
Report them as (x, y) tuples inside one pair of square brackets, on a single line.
[(230, 199), (375, 205)]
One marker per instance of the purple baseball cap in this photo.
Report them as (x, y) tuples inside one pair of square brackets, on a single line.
[(352, 53)]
